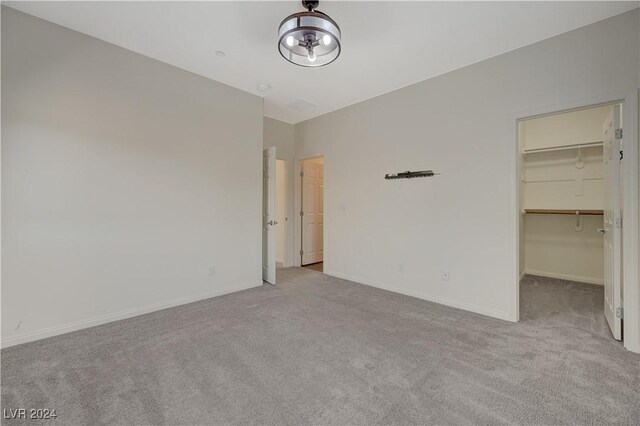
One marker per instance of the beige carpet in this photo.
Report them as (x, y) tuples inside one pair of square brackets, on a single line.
[(319, 350)]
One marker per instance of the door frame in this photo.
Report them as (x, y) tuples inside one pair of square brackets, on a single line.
[(630, 207), (269, 244), (297, 199), (287, 249)]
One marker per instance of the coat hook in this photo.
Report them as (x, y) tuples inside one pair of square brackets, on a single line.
[(580, 162), (578, 226)]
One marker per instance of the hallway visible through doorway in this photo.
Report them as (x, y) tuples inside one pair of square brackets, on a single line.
[(316, 266), (312, 213)]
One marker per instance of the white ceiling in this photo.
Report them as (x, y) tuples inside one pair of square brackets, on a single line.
[(386, 45)]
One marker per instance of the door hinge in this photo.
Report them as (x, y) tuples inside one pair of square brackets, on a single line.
[(618, 133), (619, 223), (301, 174), (301, 213), (301, 252), (619, 313)]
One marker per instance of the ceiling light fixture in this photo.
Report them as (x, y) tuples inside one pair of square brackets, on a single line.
[(309, 39)]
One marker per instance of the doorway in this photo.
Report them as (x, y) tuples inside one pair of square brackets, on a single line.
[(312, 213), (281, 213), (570, 219), (274, 215)]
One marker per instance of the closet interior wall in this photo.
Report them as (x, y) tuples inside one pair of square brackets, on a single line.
[(560, 245)]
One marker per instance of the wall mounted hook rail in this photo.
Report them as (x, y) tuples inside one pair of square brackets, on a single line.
[(410, 175)]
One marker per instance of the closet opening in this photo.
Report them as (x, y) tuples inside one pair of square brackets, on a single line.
[(274, 215), (570, 219)]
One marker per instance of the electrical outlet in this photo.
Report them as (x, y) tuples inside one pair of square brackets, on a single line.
[(212, 271), (445, 275)]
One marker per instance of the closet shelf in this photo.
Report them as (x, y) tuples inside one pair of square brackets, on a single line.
[(562, 147), (569, 212)]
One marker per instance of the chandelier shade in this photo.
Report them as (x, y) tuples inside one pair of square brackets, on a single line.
[(310, 38)]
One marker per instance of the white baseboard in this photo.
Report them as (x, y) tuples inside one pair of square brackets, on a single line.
[(568, 277), (425, 296), (103, 319)]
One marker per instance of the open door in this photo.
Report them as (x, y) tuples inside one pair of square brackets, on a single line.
[(612, 222), (312, 210), (268, 215)]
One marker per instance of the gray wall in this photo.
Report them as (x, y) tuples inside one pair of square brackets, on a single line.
[(124, 180), (403, 235)]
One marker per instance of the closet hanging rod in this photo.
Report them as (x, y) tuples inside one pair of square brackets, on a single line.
[(562, 147), (569, 212)]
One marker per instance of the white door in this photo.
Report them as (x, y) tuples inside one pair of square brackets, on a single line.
[(312, 210), (612, 240), (269, 215)]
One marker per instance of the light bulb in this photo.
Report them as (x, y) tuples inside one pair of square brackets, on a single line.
[(326, 39), (311, 56), (290, 41)]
